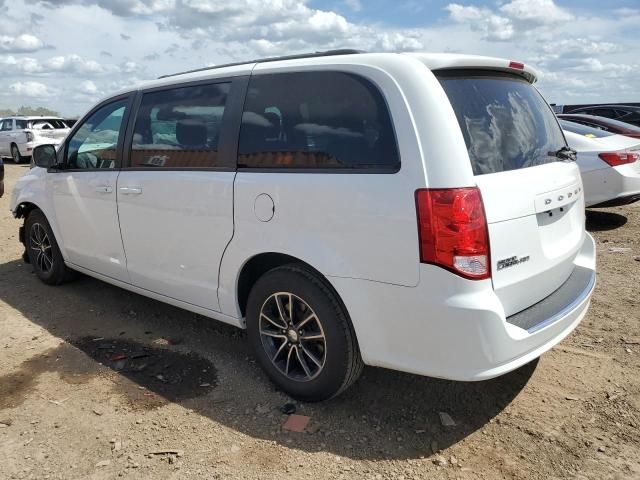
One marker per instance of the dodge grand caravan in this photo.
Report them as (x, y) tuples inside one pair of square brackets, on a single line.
[(412, 211)]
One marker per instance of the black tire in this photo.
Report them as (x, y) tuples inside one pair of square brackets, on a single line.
[(15, 154), (338, 351), (43, 251)]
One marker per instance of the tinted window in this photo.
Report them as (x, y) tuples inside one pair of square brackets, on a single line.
[(585, 130), (7, 125), (505, 122), (48, 124), (21, 124), (179, 128), (95, 143), (315, 120)]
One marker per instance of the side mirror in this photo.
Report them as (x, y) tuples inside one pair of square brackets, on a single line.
[(44, 156)]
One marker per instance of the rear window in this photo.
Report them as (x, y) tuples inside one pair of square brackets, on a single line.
[(505, 122), (585, 130), (48, 124), (615, 123)]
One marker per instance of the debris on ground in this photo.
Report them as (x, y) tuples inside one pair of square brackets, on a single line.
[(296, 423), (103, 463), (168, 451), (440, 461), (288, 408), (446, 420)]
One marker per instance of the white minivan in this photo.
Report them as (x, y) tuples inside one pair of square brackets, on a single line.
[(417, 212)]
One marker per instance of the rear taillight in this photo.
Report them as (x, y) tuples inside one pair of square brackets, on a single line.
[(618, 158), (516, 65), (30, 136), (452, 229)]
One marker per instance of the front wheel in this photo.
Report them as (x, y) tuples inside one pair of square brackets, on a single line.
[(43, 251), (301, 334), (15, 154)]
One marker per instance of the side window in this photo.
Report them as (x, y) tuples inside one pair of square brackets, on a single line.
[(95, 143), (21, 124), (179, 128), (7, 125), (316, 120)]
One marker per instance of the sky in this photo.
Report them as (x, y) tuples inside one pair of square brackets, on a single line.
[(68, 54)]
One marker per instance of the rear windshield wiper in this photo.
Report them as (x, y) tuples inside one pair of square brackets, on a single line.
[(565, 153)]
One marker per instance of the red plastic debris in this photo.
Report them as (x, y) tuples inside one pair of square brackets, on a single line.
[(296, 423)]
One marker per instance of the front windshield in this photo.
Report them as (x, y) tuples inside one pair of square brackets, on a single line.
[(505, 122)]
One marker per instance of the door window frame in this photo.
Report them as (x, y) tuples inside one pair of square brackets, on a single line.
[(229, 131), (62, 155)]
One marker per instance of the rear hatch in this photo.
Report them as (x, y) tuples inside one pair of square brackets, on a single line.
[(533, 199), (50, 129)]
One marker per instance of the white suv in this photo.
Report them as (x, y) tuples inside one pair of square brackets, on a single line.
[(20, 135), (411, 211)]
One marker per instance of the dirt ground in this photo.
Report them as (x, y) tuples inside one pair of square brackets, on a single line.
[(188, 401)]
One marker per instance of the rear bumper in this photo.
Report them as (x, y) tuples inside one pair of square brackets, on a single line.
[(452, 328), (611, 187)]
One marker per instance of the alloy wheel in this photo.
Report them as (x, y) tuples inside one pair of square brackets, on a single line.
[(41, 245), (292, 336)]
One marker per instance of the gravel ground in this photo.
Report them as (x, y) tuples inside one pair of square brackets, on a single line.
[(188, 401)]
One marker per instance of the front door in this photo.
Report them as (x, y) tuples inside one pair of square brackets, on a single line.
[(84, 193), (6, 129), (175, 198)]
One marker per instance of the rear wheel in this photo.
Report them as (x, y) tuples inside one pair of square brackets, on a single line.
[(15, 154), (43, 251), (301, 334)]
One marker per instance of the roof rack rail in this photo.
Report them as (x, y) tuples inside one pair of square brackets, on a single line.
[(327, 53)]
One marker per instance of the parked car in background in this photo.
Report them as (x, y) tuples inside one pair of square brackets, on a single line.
[(20, 135), (608, 163), (418, 212), (623, 113), (603, 123)]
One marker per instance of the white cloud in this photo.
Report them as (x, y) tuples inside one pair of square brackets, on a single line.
[(582, 55), (31, 89), (88, 87), (519, 16), (483, 20), (534, 13), (71, 64), (354, 5), (20, 44)]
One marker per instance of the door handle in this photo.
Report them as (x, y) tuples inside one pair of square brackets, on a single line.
[(130, 190), (104, 189)]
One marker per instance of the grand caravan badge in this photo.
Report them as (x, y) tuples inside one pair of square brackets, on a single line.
[(511, 262)]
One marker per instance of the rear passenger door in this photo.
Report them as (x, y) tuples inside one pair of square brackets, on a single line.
[(175, 197)]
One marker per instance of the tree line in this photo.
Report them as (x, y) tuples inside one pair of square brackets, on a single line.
[(27, 110)]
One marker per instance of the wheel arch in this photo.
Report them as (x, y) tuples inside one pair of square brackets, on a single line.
[(25, 208), (261, 263)]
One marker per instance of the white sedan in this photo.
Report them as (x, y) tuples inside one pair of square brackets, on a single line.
[(608, 164)]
